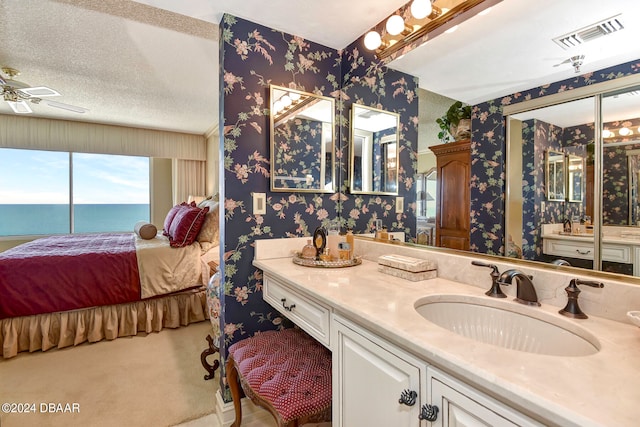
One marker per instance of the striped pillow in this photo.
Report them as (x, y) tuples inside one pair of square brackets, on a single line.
[(186, 225)]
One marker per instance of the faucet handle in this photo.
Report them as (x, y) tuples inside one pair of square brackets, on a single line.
[(495, 290), (572, 309)]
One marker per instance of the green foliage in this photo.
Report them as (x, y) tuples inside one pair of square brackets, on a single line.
[(456, 112)]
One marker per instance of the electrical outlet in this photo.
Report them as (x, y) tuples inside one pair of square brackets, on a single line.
[(399, 204), (259, 203)]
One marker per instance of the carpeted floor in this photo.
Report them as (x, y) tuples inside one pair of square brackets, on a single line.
[(147, 380)]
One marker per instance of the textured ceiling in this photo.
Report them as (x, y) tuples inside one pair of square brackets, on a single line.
[(154, 63)]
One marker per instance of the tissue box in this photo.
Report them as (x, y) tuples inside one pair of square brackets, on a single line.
[(408, 275), (406, 263), (408, 268)]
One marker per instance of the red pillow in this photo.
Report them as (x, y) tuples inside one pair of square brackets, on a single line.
[(172, 214), (186, 225)]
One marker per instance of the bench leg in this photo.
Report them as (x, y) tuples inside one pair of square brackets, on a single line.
[(234, 387), (210, 368)]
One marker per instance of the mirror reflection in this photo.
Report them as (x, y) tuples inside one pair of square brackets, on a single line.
[(374, 151), (302, 141), (557, 228), (555, 177)]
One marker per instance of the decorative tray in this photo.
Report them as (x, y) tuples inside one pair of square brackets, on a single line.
[(297, 259)]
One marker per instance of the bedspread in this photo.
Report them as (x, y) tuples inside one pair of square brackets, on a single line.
[(164, 269), (61, 273)]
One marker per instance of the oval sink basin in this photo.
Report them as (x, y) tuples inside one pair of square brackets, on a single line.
[(505, 324)]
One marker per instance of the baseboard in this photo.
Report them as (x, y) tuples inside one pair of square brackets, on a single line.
[(226, 415)]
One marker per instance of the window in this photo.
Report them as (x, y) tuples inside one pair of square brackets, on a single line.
[(41, 191)]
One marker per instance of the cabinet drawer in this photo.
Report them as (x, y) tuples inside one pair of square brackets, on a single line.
[(310, 316), (584, 250)]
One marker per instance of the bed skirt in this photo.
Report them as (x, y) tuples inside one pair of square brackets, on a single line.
[(64, 329)]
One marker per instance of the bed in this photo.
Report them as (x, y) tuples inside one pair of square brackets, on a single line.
[(64, 290)]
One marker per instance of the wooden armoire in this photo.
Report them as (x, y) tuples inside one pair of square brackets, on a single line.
[(453, 171)]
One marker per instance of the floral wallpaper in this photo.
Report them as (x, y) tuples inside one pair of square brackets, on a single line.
[(298, 153), (488, 155), (253, 57)]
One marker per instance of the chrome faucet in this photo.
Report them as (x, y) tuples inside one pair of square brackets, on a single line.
[(526, 293)]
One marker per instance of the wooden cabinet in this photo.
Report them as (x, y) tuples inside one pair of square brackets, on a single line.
[(461, 405), (369, 377), (453, 169)]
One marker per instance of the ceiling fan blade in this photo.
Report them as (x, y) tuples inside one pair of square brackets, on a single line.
[(20, 107), (566, 61), (2, 81), (63, 106), (39, 91)]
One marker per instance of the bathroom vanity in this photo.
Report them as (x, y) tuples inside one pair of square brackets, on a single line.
[(392, 366), (619, 244)]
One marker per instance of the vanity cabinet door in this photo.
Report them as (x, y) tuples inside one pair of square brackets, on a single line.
[(462, 406), (369, 377)]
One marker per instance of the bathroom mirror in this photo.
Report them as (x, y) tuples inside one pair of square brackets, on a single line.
[(575, 178), (374, 151), (555, 175), (302, 141)]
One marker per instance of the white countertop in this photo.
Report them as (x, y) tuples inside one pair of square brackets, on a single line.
[(597, 390)]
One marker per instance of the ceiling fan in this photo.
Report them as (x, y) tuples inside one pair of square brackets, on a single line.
[(575, 61), (18, 94)]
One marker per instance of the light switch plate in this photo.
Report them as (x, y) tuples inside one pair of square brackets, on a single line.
[(399, 204), (259, 203)]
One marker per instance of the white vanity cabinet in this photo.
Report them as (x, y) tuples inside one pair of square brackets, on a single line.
[(308, 314), (462, 406), (369, 377)]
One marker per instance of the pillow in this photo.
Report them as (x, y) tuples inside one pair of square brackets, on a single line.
[(209, 230), (145, 230), (186, 225), (171, 214)]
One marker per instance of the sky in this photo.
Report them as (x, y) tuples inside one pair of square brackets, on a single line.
[(42, 177)]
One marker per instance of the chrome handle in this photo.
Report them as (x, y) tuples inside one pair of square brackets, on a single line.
[(287, 307), (408, 397), (428, 412), (583, 253)]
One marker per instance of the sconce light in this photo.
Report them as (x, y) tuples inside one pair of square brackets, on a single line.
[(285, 102), (623, 132), (408, 26)]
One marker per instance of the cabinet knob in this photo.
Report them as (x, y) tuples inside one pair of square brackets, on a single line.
[(429, 412), (287, 307), (408, 397)]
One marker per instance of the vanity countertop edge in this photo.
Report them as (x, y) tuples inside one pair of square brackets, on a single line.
[(597, 390)]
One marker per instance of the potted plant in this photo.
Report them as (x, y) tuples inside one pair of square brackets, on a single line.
[(456, 123)]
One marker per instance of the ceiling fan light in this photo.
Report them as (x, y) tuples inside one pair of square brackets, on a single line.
[(372, 40), (39, 91), (395, 25), (20, 107), (420, 9)]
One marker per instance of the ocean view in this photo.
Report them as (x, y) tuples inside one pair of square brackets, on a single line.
[(18, 220)]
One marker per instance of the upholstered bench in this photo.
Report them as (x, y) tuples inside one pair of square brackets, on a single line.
[(286, 372)]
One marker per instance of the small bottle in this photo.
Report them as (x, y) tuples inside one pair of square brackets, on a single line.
[(384, 234), (350, 241), (324, 256), (309, 251)]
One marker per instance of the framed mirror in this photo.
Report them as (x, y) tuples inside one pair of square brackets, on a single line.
[(555, 176), (374, 151), (575, 178), (302, 141)]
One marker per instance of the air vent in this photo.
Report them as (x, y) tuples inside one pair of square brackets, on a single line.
[(592, 32)]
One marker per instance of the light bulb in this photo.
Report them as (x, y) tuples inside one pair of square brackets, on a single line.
[(421, 8), (372, 40), (395, 25), (286, 101), (277, 106), (294, 96), (607, 133), (625, 131)]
